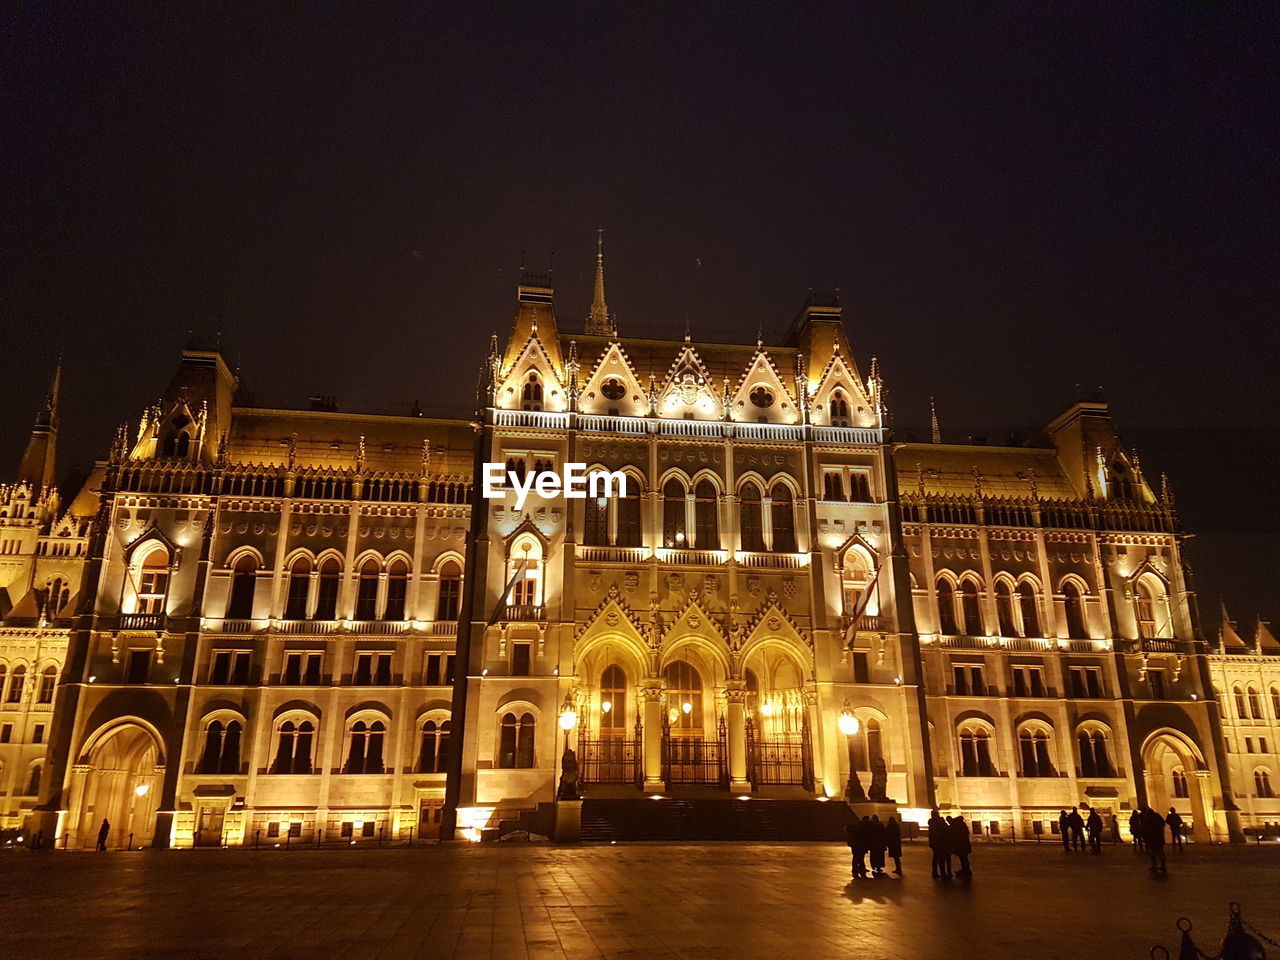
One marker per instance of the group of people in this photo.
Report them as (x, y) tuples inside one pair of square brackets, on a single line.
[(1147, 827), (869, 836), (949, 837), (1072, 828)]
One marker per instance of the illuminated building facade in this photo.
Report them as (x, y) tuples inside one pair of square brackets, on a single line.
[(259, 640)]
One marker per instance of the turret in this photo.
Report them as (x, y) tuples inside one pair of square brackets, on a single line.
[(39, 460)]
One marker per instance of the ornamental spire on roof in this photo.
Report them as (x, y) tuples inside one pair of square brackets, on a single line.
[(599, 323), (38, 462)]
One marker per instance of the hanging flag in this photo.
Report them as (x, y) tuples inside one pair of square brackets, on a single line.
[(501, 606), (861, 607)]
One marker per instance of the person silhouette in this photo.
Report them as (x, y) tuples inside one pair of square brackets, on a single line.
[(940, 846), (893, 844), (103, 832), (1064, 830), (876, 843), (855, 837), (1094, 826), (961, 845), (1153, 837), (1135, 831), (1174, 820), (1076, 823)]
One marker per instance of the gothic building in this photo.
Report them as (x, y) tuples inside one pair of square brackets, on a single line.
[(261, 625)]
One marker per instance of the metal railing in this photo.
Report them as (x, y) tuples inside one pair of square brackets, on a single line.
[(777, 561), (524, 613), (611, 760), (612, 554)]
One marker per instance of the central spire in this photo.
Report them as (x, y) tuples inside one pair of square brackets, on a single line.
[(599, 323)]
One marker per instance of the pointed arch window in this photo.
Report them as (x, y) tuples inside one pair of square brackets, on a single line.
[(397, 590), (1262, 784), (782, 515), (706, 523), (673, 515), (970, 608), (839, 410), (531, 394), (1004, 610), (868, 744), (177, 439), (244, 582), (1275, 702), (613, 701), (153, 583), (59, 594), (1181, 788), (1144, 601), (433, 753), (295, 607), (367, 590), (1242, 711), (1095, 759), (595, 522), (515, 751), (365, 752), (221, 748), (1074, 605), (449, 599), (17, 679), (1033, 747), (751, 521), (833, 486), (1255, 703), (629, 515), (684, 696), (975, 752), (327, 590), (1029, 610), (293, 747), (947, 608), (48, 685)]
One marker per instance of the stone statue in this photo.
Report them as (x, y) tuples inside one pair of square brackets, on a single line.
[(568, 776), (879, 779)]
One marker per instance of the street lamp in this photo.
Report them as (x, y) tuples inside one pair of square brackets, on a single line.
[(849, 726), (568, 762)]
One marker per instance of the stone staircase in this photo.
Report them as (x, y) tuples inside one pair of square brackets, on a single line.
[(604, 821)]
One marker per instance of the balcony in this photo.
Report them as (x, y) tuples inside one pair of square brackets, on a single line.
[(538, 419), (865, 622), (140, 621), (524, 613), (692, 558), (775, 561), (612, 554)]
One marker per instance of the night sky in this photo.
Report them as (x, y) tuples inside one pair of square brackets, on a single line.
[(1012, 200)]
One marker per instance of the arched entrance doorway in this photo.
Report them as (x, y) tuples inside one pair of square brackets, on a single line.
[(120, 781), (1176, 776)]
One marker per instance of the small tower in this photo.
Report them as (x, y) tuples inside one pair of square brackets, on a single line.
[(599, 322), (38, 462)]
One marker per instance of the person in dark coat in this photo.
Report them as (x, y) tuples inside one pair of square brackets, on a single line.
[(1094, 826), (1076, 823), (1135, 830), (854, 836), (1115, 829), (103, 832), (940, 845), (1153, 837), (1064, 828), (893, 844), (1175, 828), (875, 845), (961, 845)]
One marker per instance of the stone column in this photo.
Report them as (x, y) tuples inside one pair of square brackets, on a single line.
[(735, 694), (651, 696)]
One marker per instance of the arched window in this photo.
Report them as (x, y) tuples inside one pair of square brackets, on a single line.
[(1144, 601), (433, 756), (153, 582), (1181, 789), (449, 598), (1261, 783), (839, 410), (613, 701), (293, 747), (684, 696), (629, 515), (784, 529), (1004, 610), (1275, 702), (516, 748), (37, 769), (832, 486), (1095, 759), (1029, 610), (868, 744), (531, 395), (1074, 604), (673, 515), (970, 608), (1033, 747), (59, 594), (365, 753), (1242, 711), (397, 590), (17, 677), (177, 441), (706, 526), (751, 522), (367, 590), (48, 684), (595, 522), (975, 752), (1120, 481), (1255, 703), (2, 686), (327, 592), (221, 748), (947, 608), (244, 580), (295, 607)]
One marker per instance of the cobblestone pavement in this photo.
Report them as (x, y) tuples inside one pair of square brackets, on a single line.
[(702, 901)]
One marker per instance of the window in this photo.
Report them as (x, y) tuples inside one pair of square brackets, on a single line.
[(868, 744), (327, 593), (295, 607), (1255, 703), (525, 591), (153, 583), (784, 531), (230, 667), (613, 389), (839, 410), (449, 599), (221, 748), (1145, 605), (1248, 744), (17, 681), (367, 590), (1004, 610), (1261, 783), (438, 670), (706, 525), (372, 670), (293, 748), (1033, 748), (752, 525), (516, 468), (673, 514), (244, 580), (1181, 789), (684, 697), (37, 734), (629, 515), (1242, 711), (1086, 682), (177, 441), (975, 752), (1275, 702), (1028, 681), (968, 679), (859, 486), (521, 654), (433, 754), (762, 397), (397, 591), (48, 684), (301, 668), (6, 732), (365, 752), (1029, 610), (1155, 683), (969, 607), (531, 395), (861, 667), (1074, 605), (59, 594), (613, 701), (515, 750), (138, 666), (947, 608), (595, 522), (833, 486), (1095, 761)]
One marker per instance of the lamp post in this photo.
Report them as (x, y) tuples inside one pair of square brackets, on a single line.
[(849, 726), (568, 762)]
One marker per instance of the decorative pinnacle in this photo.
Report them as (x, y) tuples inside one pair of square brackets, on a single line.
[(598, 322), (935, 430)]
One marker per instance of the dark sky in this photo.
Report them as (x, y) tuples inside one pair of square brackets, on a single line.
[(1012, 200)]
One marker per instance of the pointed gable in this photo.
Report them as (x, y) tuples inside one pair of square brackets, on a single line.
[(614, 385), (761, 393), (533, 358), (1265, 641), (841, 375), (689, 389)]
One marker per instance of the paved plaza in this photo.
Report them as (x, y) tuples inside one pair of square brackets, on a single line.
[(704, 901)]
